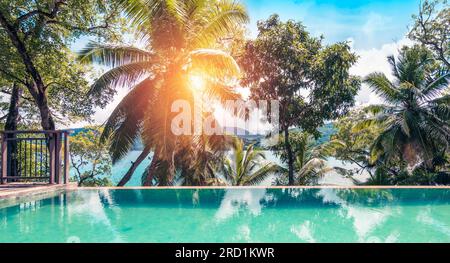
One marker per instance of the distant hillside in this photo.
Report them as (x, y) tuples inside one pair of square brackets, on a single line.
[(75, 131), (236, 131), (327, 131)]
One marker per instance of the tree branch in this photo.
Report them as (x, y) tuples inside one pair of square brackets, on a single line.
[(52, 14), (22, 97), (12, 76), (21, 49)]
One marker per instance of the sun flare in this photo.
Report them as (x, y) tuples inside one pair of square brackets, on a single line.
[(197, 82)]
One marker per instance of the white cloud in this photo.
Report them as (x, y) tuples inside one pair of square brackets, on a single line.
[(374, 60)]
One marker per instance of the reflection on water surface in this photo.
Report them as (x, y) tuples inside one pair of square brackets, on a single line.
[(232, 215)]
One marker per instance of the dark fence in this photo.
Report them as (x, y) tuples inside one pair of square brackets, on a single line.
[(35, 156)]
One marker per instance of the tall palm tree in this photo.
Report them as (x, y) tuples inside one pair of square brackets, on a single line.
[(177, 34), (246, 166), (416, 117), (310, 160)]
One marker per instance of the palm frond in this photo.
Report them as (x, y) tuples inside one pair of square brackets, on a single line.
[(113, 55), (221, 91), (262, 174), (215, 63), (440, 107), (383, 87), (312, 166), (376, 109), (222, 19), (437, 84), (366, 124), (177, 9), (121, 76), (123, 127), (140, 13)]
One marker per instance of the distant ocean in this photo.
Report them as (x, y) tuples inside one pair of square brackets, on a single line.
[(120, 168), (332, 178)]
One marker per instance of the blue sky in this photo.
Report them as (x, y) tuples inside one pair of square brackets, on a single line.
[(370, 23)]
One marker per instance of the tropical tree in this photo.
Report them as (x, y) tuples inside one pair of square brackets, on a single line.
[(204, 160), (90, 160), (35, 55), (353, 145), (415, 119), (246, 166), (174, 65), (311, 82), (431, 28), (310, 159)]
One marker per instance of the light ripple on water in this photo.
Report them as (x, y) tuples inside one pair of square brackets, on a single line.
[(232, 215)]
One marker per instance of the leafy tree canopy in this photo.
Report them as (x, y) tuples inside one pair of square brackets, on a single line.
[(310, 80), (432, 28), (35, 41), (89, 158)]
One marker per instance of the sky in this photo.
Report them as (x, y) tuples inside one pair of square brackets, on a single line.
[(375, 29), (369, 23)]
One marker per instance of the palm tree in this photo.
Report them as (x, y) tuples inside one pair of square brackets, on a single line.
[(246, 166), (310, 160), (178, 34), (203, 163), (415, 119)]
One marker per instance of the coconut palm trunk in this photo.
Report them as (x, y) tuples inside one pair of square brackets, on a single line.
[(147, 179), (133, 167), (181, 37)]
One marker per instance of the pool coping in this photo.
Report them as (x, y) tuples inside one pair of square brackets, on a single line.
[(263, 187), (32, 190), (43, 191), (35, 193)]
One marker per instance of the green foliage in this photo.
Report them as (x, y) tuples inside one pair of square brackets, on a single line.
[(180, 37), (247, 166), (420, 176), (351, 142), (310, 159), (285, 60), (432, 28), (89, 158), (406, 140), (415, 120), (310, 81), (46, 29)]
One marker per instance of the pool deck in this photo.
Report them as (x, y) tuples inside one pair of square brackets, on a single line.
[(12, 190)]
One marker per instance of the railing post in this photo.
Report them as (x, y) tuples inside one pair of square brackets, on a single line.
[(52, 157), (58, 158), (4, 172), (66, 158)]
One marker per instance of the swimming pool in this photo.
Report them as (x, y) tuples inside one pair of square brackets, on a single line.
[(231, 215)]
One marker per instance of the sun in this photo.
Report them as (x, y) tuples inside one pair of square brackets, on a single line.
[(197, 82)]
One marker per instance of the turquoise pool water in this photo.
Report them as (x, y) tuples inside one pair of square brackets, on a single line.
[(231, 215)]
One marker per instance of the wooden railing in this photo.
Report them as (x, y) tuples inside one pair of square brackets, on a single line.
[(35, 156)]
